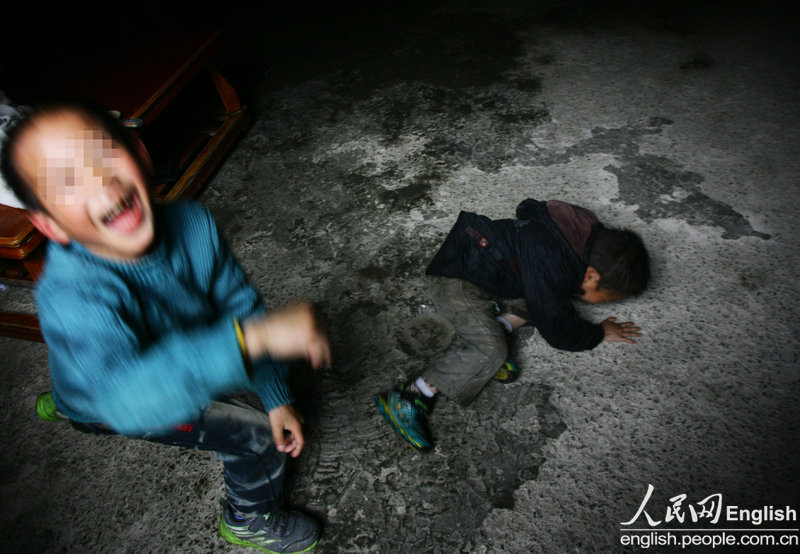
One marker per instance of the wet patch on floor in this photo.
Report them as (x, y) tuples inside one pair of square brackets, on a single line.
[(364, 477), (381, 486), (664, 191), (659, 187), (388, 154)]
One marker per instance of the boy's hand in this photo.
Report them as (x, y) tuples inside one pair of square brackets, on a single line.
[(293, 331), (620, 332), (287, 430)]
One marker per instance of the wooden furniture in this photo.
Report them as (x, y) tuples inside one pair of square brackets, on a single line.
[(21, 258), (167, 88)]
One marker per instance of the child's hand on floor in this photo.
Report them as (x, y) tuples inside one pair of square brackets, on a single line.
[(287, 430), (620, 332), (293, 331)]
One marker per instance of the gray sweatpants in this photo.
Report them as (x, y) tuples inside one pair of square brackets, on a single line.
[(480, 348)]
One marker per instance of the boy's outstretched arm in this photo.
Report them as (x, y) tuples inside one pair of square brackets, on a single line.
[(291, 332), (620, 332)]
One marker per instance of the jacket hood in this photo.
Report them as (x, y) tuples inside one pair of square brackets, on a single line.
[(574, 222)]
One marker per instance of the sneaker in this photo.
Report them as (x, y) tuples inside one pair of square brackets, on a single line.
[(47, 409), (508, 373), (278, 532), (407, 413)]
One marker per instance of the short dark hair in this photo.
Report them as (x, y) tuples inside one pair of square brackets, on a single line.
[(621, 259), (88, 109)]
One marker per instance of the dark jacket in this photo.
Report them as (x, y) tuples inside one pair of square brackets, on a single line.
[(541, 256)]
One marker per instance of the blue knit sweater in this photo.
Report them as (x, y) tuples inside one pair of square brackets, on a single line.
[(144, 345)]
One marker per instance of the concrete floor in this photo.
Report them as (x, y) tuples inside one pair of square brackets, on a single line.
[(679, 120)]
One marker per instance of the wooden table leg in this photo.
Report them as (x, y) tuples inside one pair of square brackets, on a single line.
[(228, 94), (34, 263)]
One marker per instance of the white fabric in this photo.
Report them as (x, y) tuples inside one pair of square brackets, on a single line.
[(423, 387), (8, 115)]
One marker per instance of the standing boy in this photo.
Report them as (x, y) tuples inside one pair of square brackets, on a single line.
[(150, 320), (551, 252)]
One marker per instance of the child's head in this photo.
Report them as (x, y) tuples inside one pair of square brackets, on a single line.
[(619, 266), (82, 178)]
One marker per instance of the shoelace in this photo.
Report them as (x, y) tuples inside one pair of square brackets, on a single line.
[(276, 522)]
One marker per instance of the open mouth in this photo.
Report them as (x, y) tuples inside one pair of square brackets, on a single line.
[(126, 215)]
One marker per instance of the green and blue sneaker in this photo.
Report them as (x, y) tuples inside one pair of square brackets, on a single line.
[(508, 373), (278, 532), (47, 409), (407, 412)]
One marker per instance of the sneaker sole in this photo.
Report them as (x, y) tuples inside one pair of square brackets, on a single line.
[(229, 536), (383, 407)]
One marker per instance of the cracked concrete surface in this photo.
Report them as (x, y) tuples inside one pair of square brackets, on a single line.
[(372, 131)]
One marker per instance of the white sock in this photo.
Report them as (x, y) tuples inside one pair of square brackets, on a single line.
[(505, 323), (423, 387)]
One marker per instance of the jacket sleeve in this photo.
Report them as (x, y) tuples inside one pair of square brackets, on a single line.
[(102, 370), (233, 294), (546, 284), (230, 290), (556, 318), (565, 329)]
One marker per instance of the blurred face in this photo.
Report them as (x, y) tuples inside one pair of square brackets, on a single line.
[(91, 187)]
